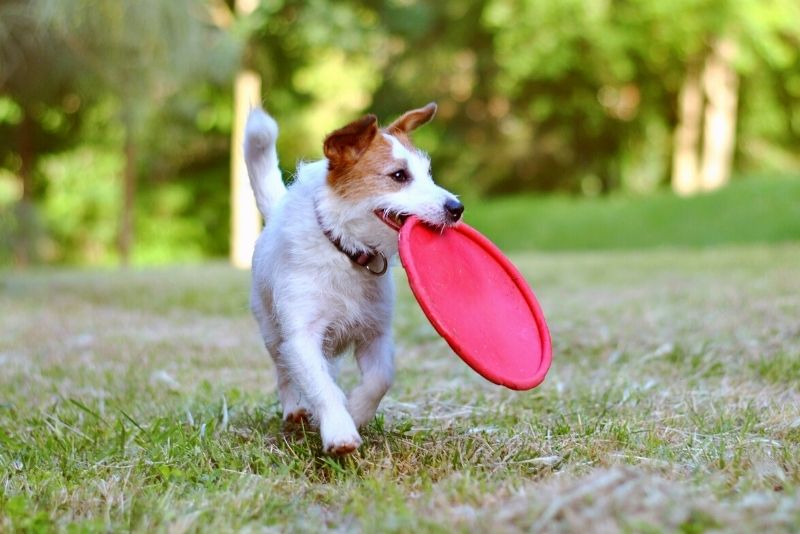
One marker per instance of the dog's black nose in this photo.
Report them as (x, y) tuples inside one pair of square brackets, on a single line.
[(454, 209)]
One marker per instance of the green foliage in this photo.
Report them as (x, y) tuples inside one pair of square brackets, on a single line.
[(321, 63), (186, 219), (81, 202), (574, 97)]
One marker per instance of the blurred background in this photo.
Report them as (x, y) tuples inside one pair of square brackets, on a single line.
[(577, 124)]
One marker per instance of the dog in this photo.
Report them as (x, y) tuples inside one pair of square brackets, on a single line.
[(320, 284)]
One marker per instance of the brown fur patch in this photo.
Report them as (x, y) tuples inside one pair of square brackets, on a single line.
[(411, 120), (369, 174), (360, 159), (345, 146)]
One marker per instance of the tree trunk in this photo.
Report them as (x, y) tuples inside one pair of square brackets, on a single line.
[(127, 216), (721, 85), (24, 242), (685, 177), (245, 219)]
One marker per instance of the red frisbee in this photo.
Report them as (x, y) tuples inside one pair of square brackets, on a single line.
[(478, 302)]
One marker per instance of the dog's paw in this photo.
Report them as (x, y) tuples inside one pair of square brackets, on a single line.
[(300, 416), (339, 434), (342, 446)]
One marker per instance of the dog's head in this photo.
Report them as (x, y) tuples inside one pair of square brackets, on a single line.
[(380, 174)]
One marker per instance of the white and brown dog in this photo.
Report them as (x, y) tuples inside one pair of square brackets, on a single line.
[(318, 268)]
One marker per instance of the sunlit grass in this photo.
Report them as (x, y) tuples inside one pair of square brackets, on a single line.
[(145, 401), (756, 210)]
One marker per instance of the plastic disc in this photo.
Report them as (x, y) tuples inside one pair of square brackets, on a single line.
[(478, 301)]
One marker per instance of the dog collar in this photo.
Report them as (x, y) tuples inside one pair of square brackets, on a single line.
[(374, 262)]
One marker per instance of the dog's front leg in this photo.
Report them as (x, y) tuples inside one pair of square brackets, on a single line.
[(376, 361), (305, 361)]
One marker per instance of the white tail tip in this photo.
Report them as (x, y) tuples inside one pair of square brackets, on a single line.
[(261, 132)]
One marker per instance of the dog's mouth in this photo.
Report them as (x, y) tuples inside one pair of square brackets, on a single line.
[(392, 219)]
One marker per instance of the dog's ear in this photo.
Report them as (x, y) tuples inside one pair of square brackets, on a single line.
[(411, 120), (345, 145)]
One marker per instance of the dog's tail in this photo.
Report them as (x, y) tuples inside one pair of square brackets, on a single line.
[(261, 158)]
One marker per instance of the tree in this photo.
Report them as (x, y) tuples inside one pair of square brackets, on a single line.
[(39, 91), (245, 219), (141, 53), (740, 36), (705, 133)]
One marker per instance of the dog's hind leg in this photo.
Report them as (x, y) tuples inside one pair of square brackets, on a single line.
[(303, 357), (376, 361)]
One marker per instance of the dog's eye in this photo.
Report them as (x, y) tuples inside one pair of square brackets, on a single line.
[(399, 176)]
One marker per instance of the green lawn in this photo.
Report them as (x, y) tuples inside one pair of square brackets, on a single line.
[(144, 401), (755, 210)]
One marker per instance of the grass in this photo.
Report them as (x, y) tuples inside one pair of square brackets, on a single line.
[(748, 211), (144, 401)]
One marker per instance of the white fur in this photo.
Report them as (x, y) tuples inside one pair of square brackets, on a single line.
[(311, 302), (261, 159), (421, 197)]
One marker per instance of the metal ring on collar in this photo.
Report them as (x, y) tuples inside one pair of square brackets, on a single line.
[(383, 268)]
